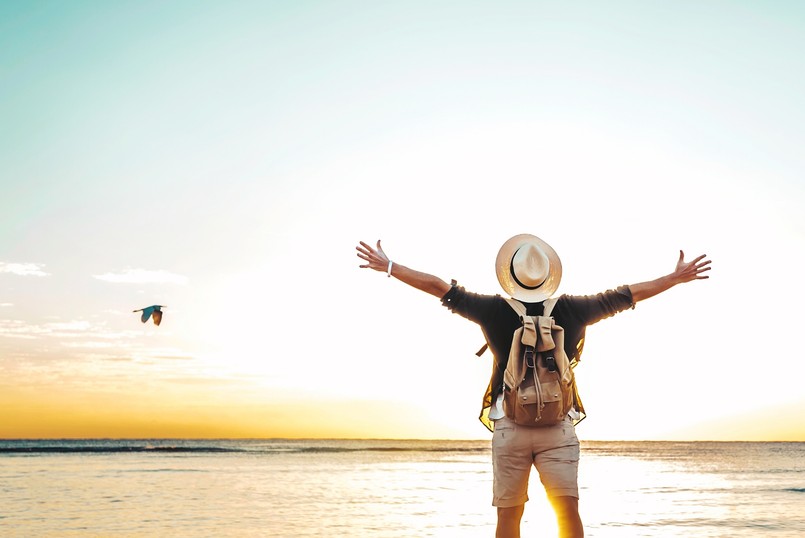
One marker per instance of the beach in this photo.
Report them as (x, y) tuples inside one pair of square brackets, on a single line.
[(385, 489)]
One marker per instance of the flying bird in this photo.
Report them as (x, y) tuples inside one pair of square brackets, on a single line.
[(154, 310)]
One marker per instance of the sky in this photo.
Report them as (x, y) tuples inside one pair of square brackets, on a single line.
[(225, 158)]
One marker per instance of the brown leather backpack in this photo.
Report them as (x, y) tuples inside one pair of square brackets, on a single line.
[(539, 388)]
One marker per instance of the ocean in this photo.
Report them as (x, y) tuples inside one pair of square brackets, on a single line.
[(386, 489)]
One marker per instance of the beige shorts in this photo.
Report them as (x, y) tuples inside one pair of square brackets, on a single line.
[(553, 450)]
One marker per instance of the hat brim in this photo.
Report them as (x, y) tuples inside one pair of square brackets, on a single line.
[(510, 285)]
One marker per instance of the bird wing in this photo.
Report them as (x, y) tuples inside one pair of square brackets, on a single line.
[(154, 310), (146, 313)]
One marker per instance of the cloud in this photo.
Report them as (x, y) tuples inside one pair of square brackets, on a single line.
[(18, 329), (23, 269), (90, 345), (62, 329), (142, 276)]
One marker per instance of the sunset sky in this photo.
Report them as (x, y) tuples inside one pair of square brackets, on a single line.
[(224, 159)]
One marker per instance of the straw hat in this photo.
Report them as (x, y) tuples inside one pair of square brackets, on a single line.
[(528, 268)]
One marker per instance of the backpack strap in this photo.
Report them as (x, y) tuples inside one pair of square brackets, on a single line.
[(529, 337), (517, 306), (520, 309), (545, 322), (548, 306)]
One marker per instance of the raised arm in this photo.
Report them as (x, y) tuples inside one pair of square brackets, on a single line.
[(376, 259), (684, 272)]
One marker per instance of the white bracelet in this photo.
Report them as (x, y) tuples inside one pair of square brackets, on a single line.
[(388, 271)]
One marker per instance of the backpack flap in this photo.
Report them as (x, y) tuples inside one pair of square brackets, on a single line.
[(529, 336), (551, 392), (546, 342), (527, 394)]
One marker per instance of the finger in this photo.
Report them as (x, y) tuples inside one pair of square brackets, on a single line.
[(698, 259), (681, 256), (366, 249), (370, 262)]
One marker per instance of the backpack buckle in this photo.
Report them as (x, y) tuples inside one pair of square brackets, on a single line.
[(550, 363), (528, 355)]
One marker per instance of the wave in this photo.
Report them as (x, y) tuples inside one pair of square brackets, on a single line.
[(234, 447), (333, 449), (109, 449)]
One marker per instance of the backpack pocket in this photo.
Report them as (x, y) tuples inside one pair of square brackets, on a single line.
[(551, 392), (527, 395), (522, 404), (516, 403), (528, 407)]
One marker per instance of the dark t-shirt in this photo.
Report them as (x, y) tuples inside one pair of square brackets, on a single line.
[(498, 321)]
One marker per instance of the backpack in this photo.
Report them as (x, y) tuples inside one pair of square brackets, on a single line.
[(539, 388)]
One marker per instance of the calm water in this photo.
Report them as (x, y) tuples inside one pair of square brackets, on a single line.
[(283, 488)]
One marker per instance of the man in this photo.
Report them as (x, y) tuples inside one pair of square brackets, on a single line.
[(529, 270)]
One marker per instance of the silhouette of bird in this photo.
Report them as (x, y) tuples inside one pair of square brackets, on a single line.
[(153, 310)]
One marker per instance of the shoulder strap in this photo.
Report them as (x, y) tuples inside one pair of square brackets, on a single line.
[(520, 309), (517, 306), (529, 333), (548, 305), (546, 325)]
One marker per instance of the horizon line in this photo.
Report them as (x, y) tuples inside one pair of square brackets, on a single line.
[(140, 438)]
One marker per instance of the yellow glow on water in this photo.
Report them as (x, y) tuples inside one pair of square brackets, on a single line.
[(622, 492)]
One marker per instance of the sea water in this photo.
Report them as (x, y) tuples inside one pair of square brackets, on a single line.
[(384, 489)]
